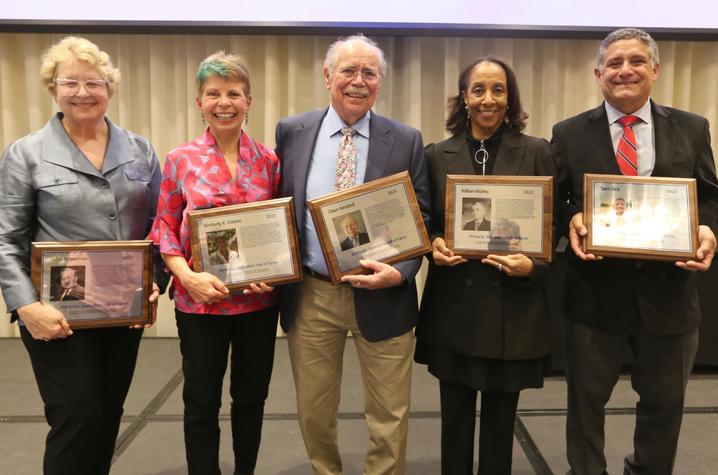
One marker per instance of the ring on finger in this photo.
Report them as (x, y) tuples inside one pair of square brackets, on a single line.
[(500, 267)]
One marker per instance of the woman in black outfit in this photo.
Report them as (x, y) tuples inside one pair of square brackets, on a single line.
[(484, 325)]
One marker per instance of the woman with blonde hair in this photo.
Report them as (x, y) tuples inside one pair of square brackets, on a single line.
[(79, 178)]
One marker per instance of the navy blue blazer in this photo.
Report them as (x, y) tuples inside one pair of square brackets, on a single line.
[(393, 147)]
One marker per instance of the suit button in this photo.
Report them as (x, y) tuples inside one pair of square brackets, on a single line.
[(468, 282), (104, 185), (639, 264), (112, 215), (497, 283)]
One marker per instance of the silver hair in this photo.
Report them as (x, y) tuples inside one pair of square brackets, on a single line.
[(627, 34), (331, 57)]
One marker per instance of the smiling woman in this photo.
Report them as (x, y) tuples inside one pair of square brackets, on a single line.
[(79, 178), (222, 167)]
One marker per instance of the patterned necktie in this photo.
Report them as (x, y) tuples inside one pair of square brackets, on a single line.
[(346, 161), (626, 152)]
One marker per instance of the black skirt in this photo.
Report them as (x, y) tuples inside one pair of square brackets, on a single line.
[(483, 374)]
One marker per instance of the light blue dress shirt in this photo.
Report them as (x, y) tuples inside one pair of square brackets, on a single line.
[(322, 175)]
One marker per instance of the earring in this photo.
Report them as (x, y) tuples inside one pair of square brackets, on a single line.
[(246, 118)]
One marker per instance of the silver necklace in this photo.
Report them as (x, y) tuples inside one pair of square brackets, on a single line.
[(484, 154)]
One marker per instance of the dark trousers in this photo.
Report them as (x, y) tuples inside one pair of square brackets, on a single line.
[(458, 423), (661, 367), (205, 342), (83, 381)]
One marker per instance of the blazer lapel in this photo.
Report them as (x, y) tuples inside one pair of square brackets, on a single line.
[(381, 144), (59, 148), (118, 150), (305, 137), (457, 156), (663, 131), (601, 146), (510, 154)]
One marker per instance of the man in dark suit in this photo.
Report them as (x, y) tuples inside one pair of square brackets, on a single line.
[(611, 304), (479, 223), (353, 237), (379, 309)]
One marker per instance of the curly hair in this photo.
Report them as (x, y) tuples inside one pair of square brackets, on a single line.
[(82, 49)]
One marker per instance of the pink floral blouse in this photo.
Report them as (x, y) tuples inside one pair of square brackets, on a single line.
[(196, 176)]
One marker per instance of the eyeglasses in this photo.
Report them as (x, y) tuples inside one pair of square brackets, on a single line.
[(368, 75), (73, 85)]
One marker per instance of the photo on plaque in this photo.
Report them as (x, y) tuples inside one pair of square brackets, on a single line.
[(378, 220), (641, 217), (247, 243), (95, 283), (499, 215)]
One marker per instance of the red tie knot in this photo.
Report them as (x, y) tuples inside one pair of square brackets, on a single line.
[(628, 120)]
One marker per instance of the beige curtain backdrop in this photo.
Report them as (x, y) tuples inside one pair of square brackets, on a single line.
[(156, 95)]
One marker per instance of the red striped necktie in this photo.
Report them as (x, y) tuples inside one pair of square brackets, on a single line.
[(627, 152)]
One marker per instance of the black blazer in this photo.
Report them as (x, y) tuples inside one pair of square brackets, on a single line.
[(472, 309), (393, 147), (609, 294)]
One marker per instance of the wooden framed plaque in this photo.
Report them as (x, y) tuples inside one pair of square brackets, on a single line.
[(378, 220), (640, 217), (499, 215), (95, 283), (247, 243)]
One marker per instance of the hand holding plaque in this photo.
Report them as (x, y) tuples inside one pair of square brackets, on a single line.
[(499, 215), (379, 220), (246, 244), (95, 283), (640, 217)]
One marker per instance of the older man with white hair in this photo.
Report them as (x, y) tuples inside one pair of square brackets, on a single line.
[(333, 149)]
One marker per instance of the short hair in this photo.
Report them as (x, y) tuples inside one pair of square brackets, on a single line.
[(74, 272), (225, 65), (330, 59), (627, 34), (81, 49), (458, 115)]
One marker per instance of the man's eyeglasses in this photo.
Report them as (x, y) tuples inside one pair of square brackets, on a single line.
[(73, 85), (367, 74)]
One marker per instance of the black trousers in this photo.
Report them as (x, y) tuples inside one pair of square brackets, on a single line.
[(83, 381), (205, 341), (458, 423), (661, 367)]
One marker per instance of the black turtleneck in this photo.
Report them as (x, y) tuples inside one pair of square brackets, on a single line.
[(491, 145)]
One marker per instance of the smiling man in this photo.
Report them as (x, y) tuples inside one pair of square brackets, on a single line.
[(333, 149), (613, 304)]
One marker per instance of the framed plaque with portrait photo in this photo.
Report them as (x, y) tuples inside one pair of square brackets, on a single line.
[(378, 220), (640, 217), (95, 283), (247, 243), (499, 215)]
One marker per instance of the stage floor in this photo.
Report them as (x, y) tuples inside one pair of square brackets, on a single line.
[(151, 440)]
